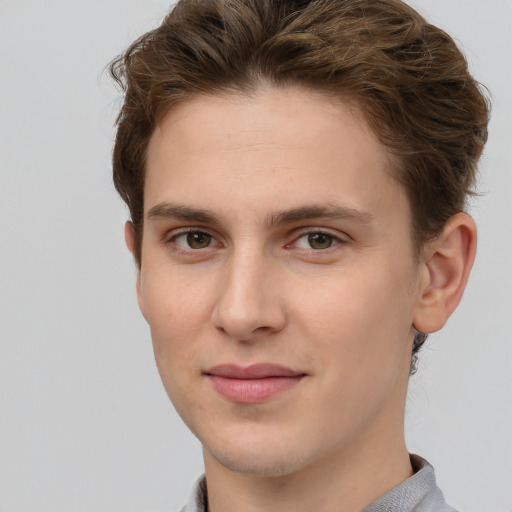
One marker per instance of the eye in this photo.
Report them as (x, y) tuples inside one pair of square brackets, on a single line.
[(317, 240), (194, 240)]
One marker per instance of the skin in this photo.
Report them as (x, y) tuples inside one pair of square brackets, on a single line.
[(334, 294)]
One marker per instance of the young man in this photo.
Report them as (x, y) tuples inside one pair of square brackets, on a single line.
[(296, 173)]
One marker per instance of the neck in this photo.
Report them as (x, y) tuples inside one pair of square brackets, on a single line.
[(349, 482)]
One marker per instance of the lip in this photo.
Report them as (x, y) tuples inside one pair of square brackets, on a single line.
[(253, 384)]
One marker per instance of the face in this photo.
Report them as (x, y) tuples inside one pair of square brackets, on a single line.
[(278, 279)]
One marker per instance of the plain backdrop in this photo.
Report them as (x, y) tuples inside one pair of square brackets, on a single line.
[(85, 424)]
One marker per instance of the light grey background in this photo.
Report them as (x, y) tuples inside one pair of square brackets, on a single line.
[(84, 422)]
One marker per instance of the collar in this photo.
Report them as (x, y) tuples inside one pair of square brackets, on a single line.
[(419, 493)]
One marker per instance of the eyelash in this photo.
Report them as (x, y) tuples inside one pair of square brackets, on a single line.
[(171, 241), (335, 241)]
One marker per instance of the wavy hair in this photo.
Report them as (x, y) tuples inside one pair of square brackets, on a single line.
[(408, 77)]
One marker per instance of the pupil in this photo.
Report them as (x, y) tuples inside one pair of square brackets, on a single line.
[(198, 240), (319, 240)]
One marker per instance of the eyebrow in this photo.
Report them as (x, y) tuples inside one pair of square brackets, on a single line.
[(182, 212), (204, 216), (328, 211)]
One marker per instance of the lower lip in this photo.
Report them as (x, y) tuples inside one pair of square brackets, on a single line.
[(252, 391)]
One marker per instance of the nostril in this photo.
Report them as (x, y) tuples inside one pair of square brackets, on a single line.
[(263, 329)]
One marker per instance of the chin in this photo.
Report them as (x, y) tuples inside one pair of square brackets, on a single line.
[(257, 462), (260, 452)]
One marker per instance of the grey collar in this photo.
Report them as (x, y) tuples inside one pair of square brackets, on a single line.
[(419, 493)]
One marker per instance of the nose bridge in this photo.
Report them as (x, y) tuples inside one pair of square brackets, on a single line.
[(248, 300)]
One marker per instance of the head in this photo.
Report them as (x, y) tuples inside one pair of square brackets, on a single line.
[(411, 123), (407, 77)]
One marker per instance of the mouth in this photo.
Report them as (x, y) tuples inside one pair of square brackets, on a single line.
[(253, 384)]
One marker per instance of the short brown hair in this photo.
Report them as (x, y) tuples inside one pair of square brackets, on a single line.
[(408, 77)]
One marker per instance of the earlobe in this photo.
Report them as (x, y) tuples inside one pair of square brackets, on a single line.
[(129, 237), (447, 263)]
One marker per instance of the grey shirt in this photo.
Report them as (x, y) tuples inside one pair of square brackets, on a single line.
[(419, 493)]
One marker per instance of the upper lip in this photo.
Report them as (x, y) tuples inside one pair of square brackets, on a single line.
[(254, 371)]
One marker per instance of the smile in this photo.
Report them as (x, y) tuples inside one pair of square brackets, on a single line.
[(254, 384)]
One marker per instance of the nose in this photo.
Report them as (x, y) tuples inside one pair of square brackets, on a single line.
[(250, 299)]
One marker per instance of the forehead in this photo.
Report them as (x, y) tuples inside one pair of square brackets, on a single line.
[(219, 118), (277, 147)]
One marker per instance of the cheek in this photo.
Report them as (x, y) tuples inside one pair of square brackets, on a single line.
[(173, 300), (359, 315), (177, 311), (175, 330), (362, 345)]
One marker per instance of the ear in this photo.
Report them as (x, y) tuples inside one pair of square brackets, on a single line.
[(447, 261), (129, 238)]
